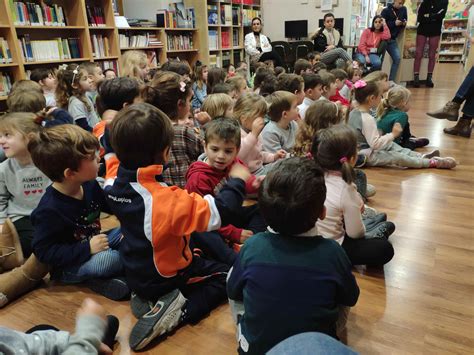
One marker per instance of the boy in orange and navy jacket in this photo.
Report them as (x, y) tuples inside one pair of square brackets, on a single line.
[(157, 222)]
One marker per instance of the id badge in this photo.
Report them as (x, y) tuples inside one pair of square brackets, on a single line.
[(373, 50)]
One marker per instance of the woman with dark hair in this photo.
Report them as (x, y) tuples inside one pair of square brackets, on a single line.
[(258, 46), (430, 20), (328, 41), (370, 41)]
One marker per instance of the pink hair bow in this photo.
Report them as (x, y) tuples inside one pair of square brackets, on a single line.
[(359, 84)]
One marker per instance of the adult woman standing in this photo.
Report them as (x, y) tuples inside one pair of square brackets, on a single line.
[(258, 46), (430, 20), (328, 41), (370, 41)]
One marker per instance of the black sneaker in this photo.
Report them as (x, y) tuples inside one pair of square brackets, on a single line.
[(139, 305), (383, 230), (161, 319), (111, 331), (361, 160), (115, 289)]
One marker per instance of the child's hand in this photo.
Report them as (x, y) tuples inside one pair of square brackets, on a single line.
[(257, 182), (397, 129), (257, 126), (99, 243), (281, 154), (246, 234), (240, 172), (202, 117)]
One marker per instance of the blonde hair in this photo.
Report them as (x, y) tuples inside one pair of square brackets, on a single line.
[(216, 105), (396, 97), (320, 115), (132, 62), (24, 85), (238, 82), (250, 106), (377, 75), (26, 101), (23, 122), (279, 101)]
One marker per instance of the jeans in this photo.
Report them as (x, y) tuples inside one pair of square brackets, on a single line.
[(420, 47), (375, 61), (467, 85), (394, 155), (104, 264), (394, 52)]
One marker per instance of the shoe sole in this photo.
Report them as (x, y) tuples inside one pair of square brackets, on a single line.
[(139, 307), (114, 289), (446, 117), (147, 328)]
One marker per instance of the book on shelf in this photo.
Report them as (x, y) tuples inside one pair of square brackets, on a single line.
[(34, 14), (5, 52), (109, 64), (248, 15), (100, 46), (5, 84), (213, 39), (46, 50), (151, 59), (235, 38), (226, 15), (225, 39), (180, 41), (237, 57), (148, 39), (236, 16), (115, 7), (214, 60), (212, 16), (95, 16), (176, 16), (226, 59)]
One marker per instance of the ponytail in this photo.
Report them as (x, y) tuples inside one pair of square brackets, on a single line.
[(383, 108), (347, 170)]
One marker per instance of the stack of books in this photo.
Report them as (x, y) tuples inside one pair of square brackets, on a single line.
[(5, 53), (47, 50), (5, 84), (100, 46), (180, 42), (177, 16), (128, 40), (95, 16), (33, 14)]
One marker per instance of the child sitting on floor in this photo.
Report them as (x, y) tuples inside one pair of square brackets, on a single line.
[(46, 79), (341, 77), (290, 265), (67, 220), (312, 92), (157, 222), (292, 83), (329, 85)]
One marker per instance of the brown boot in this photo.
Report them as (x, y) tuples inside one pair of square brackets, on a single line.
[(462, 128), (11, 254), (449, 111), (21, 279)]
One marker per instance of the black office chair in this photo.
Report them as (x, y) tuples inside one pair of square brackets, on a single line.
[(302, 49), (283, 49)]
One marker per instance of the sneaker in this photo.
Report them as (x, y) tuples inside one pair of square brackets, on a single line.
[(371, 223), (111, 331), (139, 305), (383, 230), (444, 163), (161, 319), (434, 153), (115, 288), (369, 212), (371, 191), (419, 142), (11, 253), (361, 160)]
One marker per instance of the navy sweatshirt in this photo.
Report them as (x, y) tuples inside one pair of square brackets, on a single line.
[(64, 225), (391, 14)]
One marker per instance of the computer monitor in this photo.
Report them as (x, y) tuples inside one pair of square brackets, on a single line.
[(339, 25), (296, 29)]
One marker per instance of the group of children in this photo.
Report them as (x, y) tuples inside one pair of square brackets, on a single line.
[(220, 190)]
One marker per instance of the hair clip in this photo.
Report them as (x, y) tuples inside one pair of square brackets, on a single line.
[(359, 84), (182, 86), (62, 67), (343, 160), (75, 72), (355, 64)]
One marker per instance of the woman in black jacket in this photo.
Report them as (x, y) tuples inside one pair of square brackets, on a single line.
[(430, 20), (328, 41)]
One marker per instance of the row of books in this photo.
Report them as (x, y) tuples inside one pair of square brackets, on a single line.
[(177, 16), (230, 15), (5, 84), (95, 16), (100, 46), (180, 42), (235, 38), (5, 53), (127, 40), (33, 14), (109, 64), (248, 15), (246, 2), (46, 50)]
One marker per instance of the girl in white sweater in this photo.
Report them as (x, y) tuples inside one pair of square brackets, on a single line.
[(335, 150)]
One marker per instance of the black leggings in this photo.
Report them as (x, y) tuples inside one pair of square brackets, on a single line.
[(272, 56), (371, 252)]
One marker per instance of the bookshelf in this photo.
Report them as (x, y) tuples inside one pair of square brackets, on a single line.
[(453, 44)]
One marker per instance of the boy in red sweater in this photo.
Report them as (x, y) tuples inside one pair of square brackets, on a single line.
[(211, 172), (341, 77)]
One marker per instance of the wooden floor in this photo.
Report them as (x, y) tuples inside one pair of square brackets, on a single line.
[(422, 302)]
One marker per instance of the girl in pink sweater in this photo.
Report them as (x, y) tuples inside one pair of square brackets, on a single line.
[(370, 41), (249, 110)]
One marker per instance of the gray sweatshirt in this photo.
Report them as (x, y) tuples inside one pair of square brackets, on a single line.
[(89, 331), (275, 138), (21, 189)]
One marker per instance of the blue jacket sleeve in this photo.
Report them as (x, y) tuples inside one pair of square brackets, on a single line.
[(403, 14), (348, 291), (229, 200), (82, 122), (389, 19), (236, 282), (60, 117)]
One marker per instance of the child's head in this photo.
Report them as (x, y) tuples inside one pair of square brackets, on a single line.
[(335, 149), (95, 73), (292, 83), (230, 69), (249, 107), (318, 67), (45, 78), (72, 81), (179, 67), (109, 74), (283, 106), (26, 101), (218, 105), (314, 57), (329, 84), (242, 65), (319, 115), (291, 197), (134, 64), (303, 66), (313, 86), (73, 150), (341, 77), (141, 135), (222, 142), (115, 94), (353, 73), (170, 93), (260, 74), (368, 94), (268, 85), (200, 74), (242, 72), (224, 88), (398, 97), (239, 84), (381, 78), (26, 85), (215, 76), (16, 129)]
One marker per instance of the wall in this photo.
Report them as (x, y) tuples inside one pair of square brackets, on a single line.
[(145, 9), (276, 12)]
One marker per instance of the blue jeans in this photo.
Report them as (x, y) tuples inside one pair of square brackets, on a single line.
[(104, 264), (466, 85), (394, 52), (375, 61)]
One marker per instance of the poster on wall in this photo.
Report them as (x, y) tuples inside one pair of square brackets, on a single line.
[(326, 5)]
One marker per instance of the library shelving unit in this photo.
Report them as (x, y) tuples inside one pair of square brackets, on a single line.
[(453, 43)]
